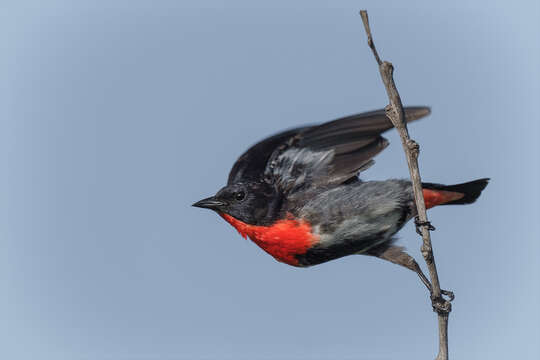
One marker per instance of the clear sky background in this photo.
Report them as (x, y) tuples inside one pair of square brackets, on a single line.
[(115, 116)]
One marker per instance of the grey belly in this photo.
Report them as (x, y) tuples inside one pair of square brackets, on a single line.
[(351, 220)]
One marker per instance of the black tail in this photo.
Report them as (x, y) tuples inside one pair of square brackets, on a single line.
[(471, 190)]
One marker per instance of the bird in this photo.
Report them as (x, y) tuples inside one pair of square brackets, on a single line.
[(300, 197)]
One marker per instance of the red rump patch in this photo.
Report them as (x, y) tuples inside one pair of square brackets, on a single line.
[(283, 240), (438, 197)]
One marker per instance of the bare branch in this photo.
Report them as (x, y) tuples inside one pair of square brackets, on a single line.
[(365, 20), (395, 113)]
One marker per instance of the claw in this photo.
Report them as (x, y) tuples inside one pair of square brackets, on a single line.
[(442, 305), (448, 293), (419, 224)]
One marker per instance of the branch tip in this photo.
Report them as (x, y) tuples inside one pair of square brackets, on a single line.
[(371, 44)]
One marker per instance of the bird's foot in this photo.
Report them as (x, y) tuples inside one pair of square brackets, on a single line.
[(419, 224), (441, 304)]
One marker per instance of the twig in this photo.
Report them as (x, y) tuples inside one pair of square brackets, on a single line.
[(395, 113)]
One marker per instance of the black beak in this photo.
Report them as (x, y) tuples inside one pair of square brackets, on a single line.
[(210, 203)]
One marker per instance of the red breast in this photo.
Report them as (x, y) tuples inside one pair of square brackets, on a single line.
[(283, 240)]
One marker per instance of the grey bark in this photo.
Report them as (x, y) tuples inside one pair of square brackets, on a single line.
[(395, 113)]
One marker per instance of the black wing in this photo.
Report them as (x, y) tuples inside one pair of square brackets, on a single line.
[(331, 153), (251, 164)]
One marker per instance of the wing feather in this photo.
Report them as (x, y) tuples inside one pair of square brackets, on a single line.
[(251, 164), (330, 153)]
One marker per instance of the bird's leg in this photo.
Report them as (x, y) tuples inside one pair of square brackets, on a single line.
[(397, 255)]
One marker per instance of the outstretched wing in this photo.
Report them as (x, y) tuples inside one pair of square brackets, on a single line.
[(331, 153)]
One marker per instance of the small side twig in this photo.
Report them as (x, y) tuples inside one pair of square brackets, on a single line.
[(395, 113)]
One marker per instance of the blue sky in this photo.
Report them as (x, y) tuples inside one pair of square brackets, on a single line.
[(116, 116)]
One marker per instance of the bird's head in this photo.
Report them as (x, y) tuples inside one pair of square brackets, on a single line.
[(254, 203)]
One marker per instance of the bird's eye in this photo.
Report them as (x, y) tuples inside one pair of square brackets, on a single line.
[(240, 195)]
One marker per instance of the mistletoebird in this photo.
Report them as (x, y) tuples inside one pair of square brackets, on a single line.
[(298, 195)]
